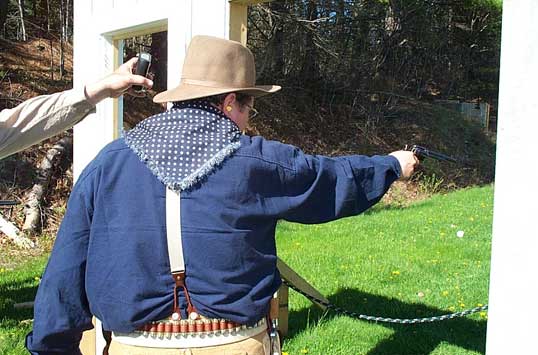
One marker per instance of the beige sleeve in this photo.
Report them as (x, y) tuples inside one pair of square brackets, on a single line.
[(40, 118)]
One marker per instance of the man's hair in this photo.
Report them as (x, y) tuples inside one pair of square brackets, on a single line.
[(243, 99)]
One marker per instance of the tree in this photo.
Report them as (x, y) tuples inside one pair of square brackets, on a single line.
[(21, 17), (3, 13)]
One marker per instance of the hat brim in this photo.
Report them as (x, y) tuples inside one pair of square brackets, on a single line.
[(189, 92)]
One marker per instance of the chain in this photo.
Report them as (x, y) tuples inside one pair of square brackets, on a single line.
[(339, 310)]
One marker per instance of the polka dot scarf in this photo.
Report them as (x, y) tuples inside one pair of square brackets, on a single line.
[(184, 144)]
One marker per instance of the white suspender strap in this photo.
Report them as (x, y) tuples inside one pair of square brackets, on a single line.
[(173, 231), (175, 253)]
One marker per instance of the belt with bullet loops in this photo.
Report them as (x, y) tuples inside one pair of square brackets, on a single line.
[(189, 333), (191, 326)]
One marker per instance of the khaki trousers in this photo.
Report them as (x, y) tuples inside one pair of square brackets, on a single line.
[(256, 345)]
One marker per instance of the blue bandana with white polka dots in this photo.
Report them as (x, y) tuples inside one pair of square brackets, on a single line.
[(184, 144)]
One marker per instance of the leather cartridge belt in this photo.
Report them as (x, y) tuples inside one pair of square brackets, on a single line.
[(190, 326), (189, 333)]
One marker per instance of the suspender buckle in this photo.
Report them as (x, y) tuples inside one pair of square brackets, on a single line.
[(179, 278)]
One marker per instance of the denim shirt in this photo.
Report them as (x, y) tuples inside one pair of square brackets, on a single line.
[(110, 258)]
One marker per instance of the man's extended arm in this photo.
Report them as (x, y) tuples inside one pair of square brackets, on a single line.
[(44, 116), (325, 189), (40, 118)]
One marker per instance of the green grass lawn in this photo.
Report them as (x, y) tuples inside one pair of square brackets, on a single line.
[(392, 262), (398, 263), (17, 284)]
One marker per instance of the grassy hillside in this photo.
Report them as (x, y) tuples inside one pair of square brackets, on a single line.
[(292, 116)]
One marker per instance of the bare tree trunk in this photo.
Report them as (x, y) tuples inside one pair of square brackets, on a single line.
[(62, 38), (159, 61), (48, 16), (51, 58), (35, 196), (278, 39), (21, 16), (309, 70), (67, 33), (3, 12)]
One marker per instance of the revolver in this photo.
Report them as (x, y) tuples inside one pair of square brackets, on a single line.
[(422, 152)]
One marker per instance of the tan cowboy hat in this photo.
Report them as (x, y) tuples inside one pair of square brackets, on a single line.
[(216, 66)]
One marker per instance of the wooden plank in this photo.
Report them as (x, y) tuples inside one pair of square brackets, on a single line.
[(116, 119), (140, 30), (283, 310), (296, 280), (238, 23), (514, 242), (209, 23)]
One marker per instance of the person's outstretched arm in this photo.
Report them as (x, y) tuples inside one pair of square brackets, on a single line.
[(324, 189), (44, 116)]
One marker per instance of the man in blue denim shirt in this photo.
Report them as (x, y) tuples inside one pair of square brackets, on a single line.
[(110, 259)]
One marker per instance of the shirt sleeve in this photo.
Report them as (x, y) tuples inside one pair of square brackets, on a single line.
[(324, 189), (40, 118), (61, 310)]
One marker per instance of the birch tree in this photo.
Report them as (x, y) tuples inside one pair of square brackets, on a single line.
[(21, 17)]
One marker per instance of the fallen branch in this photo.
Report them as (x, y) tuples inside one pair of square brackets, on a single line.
[(13, 233), (24, 305), (35, 196), (318, 20), (11, 99)]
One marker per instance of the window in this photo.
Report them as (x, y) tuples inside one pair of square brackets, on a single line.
[(135, 109)]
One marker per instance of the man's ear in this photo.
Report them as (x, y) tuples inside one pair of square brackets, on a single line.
[(229, 100)]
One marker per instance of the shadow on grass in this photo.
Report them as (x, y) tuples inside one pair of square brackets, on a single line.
[(16, 292), (407, 339)]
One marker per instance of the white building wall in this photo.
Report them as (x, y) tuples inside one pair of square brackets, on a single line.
[(512, 309), (98, 22)]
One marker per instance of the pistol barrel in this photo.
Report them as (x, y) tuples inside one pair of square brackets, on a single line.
[(424, 152)]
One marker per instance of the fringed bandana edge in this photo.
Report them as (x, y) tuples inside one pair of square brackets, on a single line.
[(184, 144)]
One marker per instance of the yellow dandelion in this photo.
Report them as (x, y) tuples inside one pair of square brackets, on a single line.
[(451, 308), (483, 315), (304, 351), (445, 293), (2, 270), (285, 353), (396, 272), (37, 278)]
